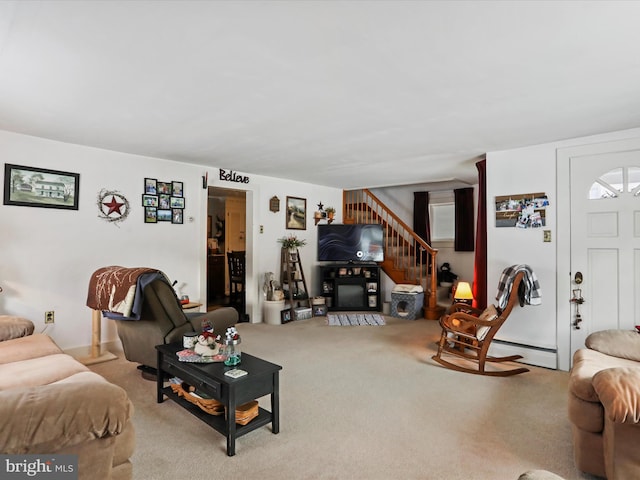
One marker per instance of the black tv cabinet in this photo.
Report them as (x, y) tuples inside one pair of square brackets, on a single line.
[(351, 286)]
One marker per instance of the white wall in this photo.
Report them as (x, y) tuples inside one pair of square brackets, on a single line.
[(48, 255), (527, 170)]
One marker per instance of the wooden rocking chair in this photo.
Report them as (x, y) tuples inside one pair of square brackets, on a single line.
[(467, 332)]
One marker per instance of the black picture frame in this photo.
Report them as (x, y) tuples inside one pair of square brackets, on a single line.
[(319, 310), (177, 202), (177, 189), (296, 215), (164, 188), (150, 215), (285, 315), (40, 187), (177, 215), (163, 201), (149, 200), (150, 186), (164, 215)]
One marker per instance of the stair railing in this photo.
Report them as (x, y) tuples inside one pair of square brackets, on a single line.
[(408, 258)]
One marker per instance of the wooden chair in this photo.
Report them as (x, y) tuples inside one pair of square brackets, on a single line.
[(467, 333), (237, 276)]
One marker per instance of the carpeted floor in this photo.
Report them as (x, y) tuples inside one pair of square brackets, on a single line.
[(362, 403)]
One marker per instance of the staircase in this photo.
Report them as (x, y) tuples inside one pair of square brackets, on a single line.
[(408, 258)]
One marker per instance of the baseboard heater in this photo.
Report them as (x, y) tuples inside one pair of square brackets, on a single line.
[(531, 354)]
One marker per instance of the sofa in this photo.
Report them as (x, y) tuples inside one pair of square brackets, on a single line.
[(604, 405), (52, 404)]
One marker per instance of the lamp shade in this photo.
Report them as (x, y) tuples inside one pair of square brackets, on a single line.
[(463, 293)]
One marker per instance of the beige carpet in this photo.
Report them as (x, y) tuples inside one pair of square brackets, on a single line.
[(362, 403)]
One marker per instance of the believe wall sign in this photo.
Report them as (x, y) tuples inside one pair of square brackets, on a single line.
[(233, 177)]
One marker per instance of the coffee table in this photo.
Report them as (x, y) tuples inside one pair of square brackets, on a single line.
[(262, 379)]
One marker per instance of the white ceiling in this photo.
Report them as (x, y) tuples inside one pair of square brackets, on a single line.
[(340, 93)]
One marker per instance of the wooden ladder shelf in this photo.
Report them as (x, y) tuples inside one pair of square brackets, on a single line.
[(294, 285)]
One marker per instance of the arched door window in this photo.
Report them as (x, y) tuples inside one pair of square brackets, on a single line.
[(616, 182)]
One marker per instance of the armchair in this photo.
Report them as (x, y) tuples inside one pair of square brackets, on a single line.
[(162, 320), (604, 404)]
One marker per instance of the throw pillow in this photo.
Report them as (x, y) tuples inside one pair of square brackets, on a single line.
[(617, 343), (489, 314)]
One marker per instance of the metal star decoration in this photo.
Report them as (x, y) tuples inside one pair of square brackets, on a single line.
[(114, 206), (115, 210)]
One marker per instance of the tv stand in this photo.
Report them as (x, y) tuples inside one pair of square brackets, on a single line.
[(351, 286)]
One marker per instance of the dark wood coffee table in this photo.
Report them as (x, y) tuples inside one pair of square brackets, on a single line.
[(262, 379)]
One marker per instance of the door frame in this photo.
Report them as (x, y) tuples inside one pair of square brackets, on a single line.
[(563, 243), (252, 298)]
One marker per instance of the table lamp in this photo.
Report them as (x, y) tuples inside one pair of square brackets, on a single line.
[(463, 293)]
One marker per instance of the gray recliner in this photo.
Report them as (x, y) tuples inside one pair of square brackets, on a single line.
[(162, 320)]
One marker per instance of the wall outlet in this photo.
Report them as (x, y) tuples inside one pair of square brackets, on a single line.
[(49, 317)]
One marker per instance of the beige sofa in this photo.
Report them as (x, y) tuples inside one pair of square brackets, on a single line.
[(604, 405), (52, 404)]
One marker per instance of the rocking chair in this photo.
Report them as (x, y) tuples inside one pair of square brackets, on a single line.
[(467, 332)]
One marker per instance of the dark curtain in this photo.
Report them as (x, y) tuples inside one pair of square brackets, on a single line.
[(464, 219), (421, 223), (480, 263), (421, 216)]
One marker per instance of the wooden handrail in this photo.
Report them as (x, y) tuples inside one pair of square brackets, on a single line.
[(405, 252)]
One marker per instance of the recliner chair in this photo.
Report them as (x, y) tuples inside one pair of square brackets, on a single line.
[(163, 320)]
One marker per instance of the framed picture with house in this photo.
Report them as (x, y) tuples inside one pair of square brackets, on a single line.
[(40, 187)]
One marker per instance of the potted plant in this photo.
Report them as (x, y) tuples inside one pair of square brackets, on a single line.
[(330, 212), (292, 242)]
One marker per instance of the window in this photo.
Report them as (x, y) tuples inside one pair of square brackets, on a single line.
[(616, 182), (442, 217)]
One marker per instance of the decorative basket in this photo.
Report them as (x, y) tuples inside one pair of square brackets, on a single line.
[(209, 405), (244, 413)]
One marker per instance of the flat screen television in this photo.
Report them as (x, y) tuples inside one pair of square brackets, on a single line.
[(350, 243)]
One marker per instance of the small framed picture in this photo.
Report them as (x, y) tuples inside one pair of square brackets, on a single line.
[(164, 215), (164, 188), (296, 213), (319, 310), (165, 201), (177, 215), (150, 215), (176, 202), (285, 315), (149, 200), (176, 189), (150, 186)]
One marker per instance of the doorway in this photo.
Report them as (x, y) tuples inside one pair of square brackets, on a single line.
[(602, 240), (226, 232)]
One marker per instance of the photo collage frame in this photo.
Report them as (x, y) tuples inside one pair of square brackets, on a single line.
[(163, 201)]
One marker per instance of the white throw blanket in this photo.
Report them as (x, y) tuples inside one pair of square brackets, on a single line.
[(532, 291)]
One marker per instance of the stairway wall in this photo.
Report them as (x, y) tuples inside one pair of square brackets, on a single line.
[(400, 200)]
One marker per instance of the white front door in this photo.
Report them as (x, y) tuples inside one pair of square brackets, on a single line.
[(605, 243)]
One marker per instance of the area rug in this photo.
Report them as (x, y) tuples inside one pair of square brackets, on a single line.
[(351, 319)]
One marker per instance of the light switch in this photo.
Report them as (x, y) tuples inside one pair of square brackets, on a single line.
[(547, 235)]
